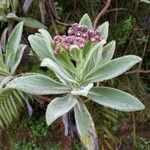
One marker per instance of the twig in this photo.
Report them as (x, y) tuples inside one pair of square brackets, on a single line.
[(101, 13), (54, 24), (50, 8), (62, 23), (138, 71), (145, 46), (117, 9), (42, 98), (42, 10), (134, 130)]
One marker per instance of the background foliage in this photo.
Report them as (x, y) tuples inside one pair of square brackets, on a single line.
[(129, 26)]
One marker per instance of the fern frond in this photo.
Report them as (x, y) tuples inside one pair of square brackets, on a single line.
[(11, 104)]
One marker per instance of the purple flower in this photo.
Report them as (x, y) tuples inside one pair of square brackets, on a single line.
[(71, 32), (70, 39), (57, 38), (77, 35), (94, 36)]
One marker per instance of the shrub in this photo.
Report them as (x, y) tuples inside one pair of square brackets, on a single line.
[(79, 61)]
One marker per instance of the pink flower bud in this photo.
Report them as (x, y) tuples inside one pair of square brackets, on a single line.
[(81, 45), (71, 32), (57, 38), (84, 35), (92, 39), (74, 25), (66, 46), (84, 28), (70, 39), (79, 40), (79, 34), (97, 38)]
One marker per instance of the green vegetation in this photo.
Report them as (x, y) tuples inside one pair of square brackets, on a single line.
[(22, 108)]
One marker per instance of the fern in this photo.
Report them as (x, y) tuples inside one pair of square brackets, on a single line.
[(11, 101), (10, 105)]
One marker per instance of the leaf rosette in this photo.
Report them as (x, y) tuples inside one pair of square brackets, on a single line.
[(78, 66)]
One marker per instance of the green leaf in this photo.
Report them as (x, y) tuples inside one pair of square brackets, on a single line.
[(32, 23), (97, 50), (3, 69), (18, 97), (145, 1), (64, 58), (8, 114), (103, 29), (39, 46), (98, 54), (37, 84), (58, 107), (75, 53), (88, 46), (48, 40), (4, 93), (85, 127), (9, 106), (11, 16), (1, 124), (1, 78), (14, 4), (13, 42), (113, 69), (60, 72), (3, 117), (14, 105), (108, 52), (82, 91), (4, 82), (115, 99), (3, 17), (17, 57), (85, 20)]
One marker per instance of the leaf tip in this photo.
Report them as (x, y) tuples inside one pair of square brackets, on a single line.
[(137, 58), (47, 120), (141, 106), (40, 29), (106, 23), (29, 37), (21, 23), (85, 15), (44, 62)]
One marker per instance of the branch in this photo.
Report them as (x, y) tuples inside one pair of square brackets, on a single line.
[(145, 46), (101, 13), (62, 23), (118, 9), (52, 14), (138, 71), (42, 99)]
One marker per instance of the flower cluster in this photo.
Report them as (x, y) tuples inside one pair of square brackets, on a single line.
[(77, 35), (66, 41), (84, 32)]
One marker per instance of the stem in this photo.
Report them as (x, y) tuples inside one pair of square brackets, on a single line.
[(80, 66), (101, 13), (134, 131)]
